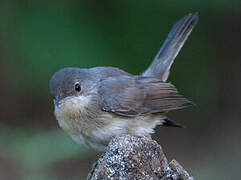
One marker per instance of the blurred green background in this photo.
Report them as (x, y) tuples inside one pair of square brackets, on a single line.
[(38, 38)]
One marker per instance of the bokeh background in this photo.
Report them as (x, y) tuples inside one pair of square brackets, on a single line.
[(38, 38)]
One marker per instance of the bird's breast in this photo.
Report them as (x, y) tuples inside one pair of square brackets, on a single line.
[(74, 114)]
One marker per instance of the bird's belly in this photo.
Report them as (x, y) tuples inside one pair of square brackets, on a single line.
[(97, 129), (98, 138)]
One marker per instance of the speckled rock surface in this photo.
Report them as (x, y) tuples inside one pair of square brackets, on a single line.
[(141, 158)]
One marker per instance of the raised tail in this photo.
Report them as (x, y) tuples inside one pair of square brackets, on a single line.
[(175, 40)]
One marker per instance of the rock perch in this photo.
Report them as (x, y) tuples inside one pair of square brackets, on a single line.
[(136, 158)]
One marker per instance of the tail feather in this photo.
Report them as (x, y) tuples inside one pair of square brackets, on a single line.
[(169, 122), (176, 38)]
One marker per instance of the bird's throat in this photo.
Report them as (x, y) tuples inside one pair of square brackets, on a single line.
[(72, 114)]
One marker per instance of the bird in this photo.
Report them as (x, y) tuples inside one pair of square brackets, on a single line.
[(93, 105)]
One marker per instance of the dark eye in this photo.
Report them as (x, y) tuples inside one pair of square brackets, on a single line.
[(77, 87)]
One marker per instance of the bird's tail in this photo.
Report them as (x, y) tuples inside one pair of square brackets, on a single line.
[(175, 40)]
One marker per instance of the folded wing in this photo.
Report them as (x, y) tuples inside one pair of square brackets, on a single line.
[(132, 96)]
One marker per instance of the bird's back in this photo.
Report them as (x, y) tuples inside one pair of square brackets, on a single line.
[(103, 72)]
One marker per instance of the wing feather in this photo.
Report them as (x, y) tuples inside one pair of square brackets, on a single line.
[(135, 95)]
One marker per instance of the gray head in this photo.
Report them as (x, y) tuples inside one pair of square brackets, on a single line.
[(70, 82)]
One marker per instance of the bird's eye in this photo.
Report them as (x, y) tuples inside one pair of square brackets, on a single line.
[(77, 87)]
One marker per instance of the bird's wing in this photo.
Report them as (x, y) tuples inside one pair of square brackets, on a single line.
[(175, 40), (132, 96)]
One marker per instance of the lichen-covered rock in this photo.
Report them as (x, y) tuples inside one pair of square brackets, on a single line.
[(174, 171), (141, 158)]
